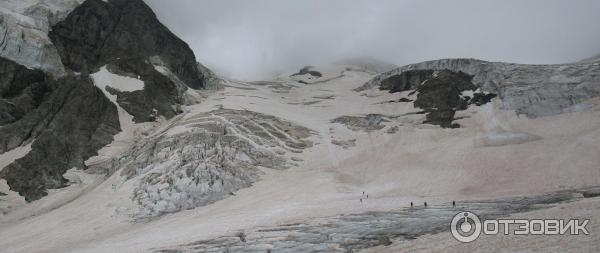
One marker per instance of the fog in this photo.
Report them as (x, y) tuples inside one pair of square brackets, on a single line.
[(252, 39)]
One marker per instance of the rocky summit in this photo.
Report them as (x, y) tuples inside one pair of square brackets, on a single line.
[(98, 32)]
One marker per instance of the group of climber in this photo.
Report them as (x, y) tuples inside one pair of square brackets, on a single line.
[(366, 196)]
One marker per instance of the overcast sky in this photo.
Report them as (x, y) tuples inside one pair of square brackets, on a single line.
[(252, 38)]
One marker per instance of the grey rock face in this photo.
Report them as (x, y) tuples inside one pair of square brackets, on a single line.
[(21, 42), (370, 122), (344, 143), (533, 90), (209, 158), (24, 27), (50, 12), (212, 80), (73, 121), (98, 32)]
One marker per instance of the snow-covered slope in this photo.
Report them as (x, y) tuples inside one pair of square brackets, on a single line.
[(131, 146), (364, 141)]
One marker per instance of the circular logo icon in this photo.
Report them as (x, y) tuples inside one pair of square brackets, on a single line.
[(466, 227)]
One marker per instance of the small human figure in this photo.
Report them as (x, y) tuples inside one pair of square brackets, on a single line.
[(363, 193), (425, 203), (367, 195), (411, 204), (360, 200), (453, 203)]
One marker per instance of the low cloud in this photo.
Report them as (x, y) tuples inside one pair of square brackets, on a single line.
[(254, 39)]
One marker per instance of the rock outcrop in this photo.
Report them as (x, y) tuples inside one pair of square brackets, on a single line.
[(439, 93), (367, 123), (160, 93), (308, 70), (533, 90), (99, 32), (72, 121), (407, 80)]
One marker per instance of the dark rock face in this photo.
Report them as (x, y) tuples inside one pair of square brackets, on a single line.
[(308, 70), (439, 93), (97, 33), (440, 97), (407, 80), (73, 120), (21, 90), (159, 91), (68, 120), (480, 99)]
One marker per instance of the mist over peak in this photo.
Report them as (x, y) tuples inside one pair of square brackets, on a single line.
[(253, 39)]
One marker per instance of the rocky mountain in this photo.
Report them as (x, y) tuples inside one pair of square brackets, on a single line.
[(54, 56), (99, 32), (533, 90), (113, 138), (301, 163)]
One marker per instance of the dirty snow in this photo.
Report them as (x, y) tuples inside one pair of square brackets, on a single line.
[(413, 163)]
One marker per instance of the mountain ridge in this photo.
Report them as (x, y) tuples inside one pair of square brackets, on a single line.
[(531, 89), (70, 123)]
